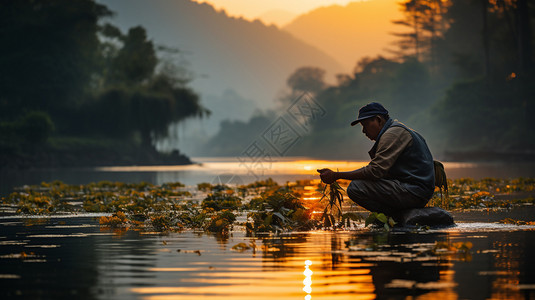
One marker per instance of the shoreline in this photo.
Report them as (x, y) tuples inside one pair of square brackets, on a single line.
[(50, 158)]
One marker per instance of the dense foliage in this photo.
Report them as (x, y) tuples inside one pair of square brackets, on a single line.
[(461, 77), (64, 72)]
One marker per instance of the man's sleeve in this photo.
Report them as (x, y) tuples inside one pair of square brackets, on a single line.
[(392, 143)]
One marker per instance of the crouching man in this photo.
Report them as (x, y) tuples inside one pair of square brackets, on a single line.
[(400, 174)]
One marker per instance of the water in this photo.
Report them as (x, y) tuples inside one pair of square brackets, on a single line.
[(71, 257), (231, 170)]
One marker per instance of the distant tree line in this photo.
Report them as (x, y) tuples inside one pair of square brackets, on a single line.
[(461, 72), (65, 72)]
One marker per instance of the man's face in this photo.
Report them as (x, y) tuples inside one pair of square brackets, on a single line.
[(371, 127)]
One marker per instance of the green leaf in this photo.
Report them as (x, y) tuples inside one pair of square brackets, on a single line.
[(381, 217), (370, 219), (391, 222), (387, 227)]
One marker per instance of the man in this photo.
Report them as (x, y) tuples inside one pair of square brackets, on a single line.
[(400, 174)]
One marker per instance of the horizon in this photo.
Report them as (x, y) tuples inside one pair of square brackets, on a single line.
[(259, 8)]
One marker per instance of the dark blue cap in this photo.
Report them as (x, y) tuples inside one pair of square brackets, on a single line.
[(370, 110)]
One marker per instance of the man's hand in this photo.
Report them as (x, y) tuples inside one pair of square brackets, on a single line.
[(328, 176)]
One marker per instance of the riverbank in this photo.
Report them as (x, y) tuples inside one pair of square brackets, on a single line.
[(77, 152)]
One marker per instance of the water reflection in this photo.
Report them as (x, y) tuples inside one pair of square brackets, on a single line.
[(72, 257), (307, 282)]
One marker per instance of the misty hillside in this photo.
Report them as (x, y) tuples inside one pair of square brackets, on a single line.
[(224, 53), (349, 32)]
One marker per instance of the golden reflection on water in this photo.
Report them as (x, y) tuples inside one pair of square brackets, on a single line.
[(370, 269), (336, 266), (284, 165), (234, 166), (307, 282)]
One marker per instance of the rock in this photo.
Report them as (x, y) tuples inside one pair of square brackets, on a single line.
[(430, 216)]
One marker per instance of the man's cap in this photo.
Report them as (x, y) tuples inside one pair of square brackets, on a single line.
[(370, 110)]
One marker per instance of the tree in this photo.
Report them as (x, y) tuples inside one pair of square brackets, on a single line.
[(135, 61), (59, 62), (307, 79), (427, 24), (410, 89), (49, 52)]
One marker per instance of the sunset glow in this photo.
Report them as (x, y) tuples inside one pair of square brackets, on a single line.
[(251, 9), (344, 29)]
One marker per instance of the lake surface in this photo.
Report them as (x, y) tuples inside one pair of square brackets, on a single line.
[(72, 257), (232, 170)]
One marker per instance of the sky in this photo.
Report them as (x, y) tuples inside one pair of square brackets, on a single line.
[(251, 9)]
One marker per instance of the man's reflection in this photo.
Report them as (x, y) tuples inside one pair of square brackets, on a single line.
[(400, 265)]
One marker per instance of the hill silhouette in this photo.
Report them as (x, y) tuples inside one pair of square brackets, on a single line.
[(349, 32), (249, 57)]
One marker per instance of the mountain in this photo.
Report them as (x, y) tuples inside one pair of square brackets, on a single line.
[(223, 52), (278, 17), (349, 32)]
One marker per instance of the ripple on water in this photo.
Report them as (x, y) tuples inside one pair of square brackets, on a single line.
[(487, 227)]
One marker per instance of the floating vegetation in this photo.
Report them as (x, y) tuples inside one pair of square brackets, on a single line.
[(380, 219), (468, 193), (266, 206), (118, 219), (279, 210), (241, 247), (516, 222)]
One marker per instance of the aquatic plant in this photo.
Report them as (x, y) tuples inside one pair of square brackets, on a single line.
[(279, 211), (516, 222), (333, 209), (221, 222), (116, 220), (380, 219), (204, 186), (241, 247), (164, 222), (273, 208), (219, 201)]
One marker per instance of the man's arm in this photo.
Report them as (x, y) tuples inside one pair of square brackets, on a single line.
[(329, 176), (391, 145)]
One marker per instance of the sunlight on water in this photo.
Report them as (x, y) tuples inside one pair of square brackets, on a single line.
[(469, 261), (233, 165), (297, 165), (283, 169), (229, 170), (307, 282)]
